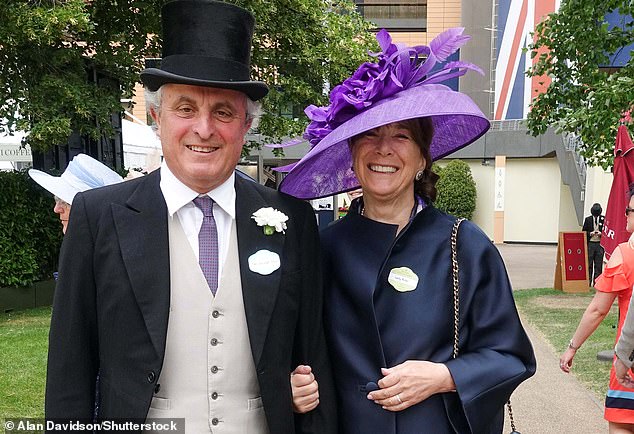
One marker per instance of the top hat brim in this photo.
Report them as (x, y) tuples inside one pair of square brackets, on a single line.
[(326, 169), (153, 78)]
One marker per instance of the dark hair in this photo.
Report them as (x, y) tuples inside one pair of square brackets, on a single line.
[(630, 191), (422, 130)]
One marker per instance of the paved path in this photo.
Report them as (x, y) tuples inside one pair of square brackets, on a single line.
[(529, 266), (550, 401)]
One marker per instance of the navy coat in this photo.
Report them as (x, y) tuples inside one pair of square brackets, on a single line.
[(370, 325)]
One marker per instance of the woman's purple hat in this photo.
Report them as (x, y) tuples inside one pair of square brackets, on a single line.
[(398, 87)]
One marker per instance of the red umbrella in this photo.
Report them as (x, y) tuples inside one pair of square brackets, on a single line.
[(614, 231)]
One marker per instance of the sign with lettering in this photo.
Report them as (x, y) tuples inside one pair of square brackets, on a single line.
[(500, 174), (15, 153)]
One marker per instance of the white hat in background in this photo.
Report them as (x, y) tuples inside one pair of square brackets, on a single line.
[(83, 173)]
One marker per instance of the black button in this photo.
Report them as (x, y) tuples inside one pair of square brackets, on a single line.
[(157, 388), (151, 376), (214, 342), (214, 369), (369, 387), (214, 421), (214, 395), (215, 314)]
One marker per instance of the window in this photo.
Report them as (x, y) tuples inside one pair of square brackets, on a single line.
[(395, 15)]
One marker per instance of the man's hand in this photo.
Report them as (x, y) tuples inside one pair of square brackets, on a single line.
[(305, 389), (623, 374)]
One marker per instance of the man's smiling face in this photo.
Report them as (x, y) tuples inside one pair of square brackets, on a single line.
[(202, 132)]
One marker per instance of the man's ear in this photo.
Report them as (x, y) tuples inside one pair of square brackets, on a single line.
[(155, 117), (247, 127)]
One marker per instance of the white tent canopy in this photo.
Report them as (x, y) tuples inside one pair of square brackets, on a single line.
[(141, 146)]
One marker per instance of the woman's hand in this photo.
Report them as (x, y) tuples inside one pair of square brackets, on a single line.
[(565, 361), (411, 382), (305, 389)]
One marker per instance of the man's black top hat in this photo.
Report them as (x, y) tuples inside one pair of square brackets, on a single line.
[(206, 43)]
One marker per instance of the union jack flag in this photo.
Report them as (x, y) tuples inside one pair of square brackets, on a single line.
[(513, 90)]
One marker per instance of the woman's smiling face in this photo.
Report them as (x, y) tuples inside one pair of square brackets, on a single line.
[(385, 161)]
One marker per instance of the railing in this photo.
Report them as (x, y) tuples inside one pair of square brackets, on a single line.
[(571, 143), (410, 14), (509, 125)]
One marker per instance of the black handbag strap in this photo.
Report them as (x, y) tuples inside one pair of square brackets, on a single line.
[(456, 305)]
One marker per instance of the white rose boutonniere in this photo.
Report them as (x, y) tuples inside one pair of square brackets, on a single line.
[(271, 220)]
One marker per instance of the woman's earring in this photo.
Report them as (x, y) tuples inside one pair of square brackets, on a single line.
[(419, 175)]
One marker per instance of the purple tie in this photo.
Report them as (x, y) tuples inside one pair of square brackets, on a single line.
[(208, 242)]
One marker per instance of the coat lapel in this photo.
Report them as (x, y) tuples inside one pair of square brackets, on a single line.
[(141, 226), (259, 292)]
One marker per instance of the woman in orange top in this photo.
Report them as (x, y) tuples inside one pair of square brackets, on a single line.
[(616, 281)]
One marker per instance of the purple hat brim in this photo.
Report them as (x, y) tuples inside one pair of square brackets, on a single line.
[(327, 168)]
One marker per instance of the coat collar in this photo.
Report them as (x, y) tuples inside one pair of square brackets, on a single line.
[(141, 226), (259, 292)]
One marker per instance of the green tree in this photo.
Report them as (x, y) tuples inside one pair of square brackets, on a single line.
[(47, 49), (570, 46), (47, 45), (302, 48), (30, 234), (456, 189)]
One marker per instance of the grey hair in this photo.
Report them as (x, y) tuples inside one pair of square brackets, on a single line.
[(153, 101)]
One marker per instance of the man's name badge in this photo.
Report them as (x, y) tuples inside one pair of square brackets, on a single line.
[(264, 262), (403, 279)]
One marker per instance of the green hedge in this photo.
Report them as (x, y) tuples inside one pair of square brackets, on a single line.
[(456, 189), (30, 233)]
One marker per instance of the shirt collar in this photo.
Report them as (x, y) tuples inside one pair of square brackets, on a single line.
[(178, 195)]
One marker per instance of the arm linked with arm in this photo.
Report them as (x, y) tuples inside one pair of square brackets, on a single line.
[(310, 346)]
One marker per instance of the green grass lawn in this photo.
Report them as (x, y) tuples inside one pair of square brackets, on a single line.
[(23, 346), (556, 315)]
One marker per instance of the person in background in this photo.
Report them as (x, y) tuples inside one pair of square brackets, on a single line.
[(615, 282), (191, 291), (389, 309), (593, 227), (82, 173)]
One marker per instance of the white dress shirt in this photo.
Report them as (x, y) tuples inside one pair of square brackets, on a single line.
[(179, 199)]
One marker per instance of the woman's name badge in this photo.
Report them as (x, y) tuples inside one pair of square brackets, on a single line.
[(264, 262), (403, 279)]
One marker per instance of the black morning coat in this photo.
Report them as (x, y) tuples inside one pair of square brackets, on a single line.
[(370, 325), (111, 305)]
